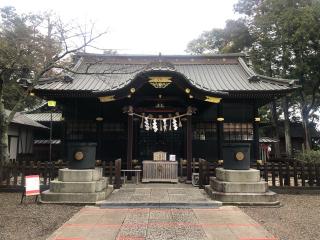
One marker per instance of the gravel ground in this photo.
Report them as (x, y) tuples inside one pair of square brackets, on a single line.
[(298, 217), (30, 220)]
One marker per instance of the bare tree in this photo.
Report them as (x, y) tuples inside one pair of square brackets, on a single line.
[(33, 47)]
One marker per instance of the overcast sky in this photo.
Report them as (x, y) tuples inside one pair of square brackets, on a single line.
[(140, 26)]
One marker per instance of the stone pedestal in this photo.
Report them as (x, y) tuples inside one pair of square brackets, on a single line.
[(77, 186), (240, 187)]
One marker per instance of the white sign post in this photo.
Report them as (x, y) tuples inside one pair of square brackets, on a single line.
[(32, 186)]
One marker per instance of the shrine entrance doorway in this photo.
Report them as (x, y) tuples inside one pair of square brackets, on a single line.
[(171, 142)]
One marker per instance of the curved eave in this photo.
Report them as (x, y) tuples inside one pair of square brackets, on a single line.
[(279, 81), (199, 94), (181, 81), (261, 94)]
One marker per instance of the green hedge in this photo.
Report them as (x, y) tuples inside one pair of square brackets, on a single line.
[(310, 156)]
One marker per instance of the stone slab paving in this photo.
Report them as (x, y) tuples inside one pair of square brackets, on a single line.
[(158, 195), (223, 223), (181, 222)]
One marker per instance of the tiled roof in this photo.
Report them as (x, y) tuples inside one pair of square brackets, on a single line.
[(47, 141), (267, 140), (45, 117), (211, 73), (20, 118)]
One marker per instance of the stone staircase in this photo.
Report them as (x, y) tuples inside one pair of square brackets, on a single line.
[(159, 196)]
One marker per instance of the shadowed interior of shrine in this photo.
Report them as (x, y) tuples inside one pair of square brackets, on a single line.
[(89, 120)]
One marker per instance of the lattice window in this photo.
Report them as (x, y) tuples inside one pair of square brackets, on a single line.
[(238, 131), (81, 130), (204, 131)]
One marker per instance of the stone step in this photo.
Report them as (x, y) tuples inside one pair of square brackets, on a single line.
[(267, 198), (85, 198), (79, 175), (82, 198), (225, 175), (131, 204), (238, 187), (57, 186)]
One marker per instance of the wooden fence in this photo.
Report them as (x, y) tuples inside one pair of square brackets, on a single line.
[(277, 174), (292, 174), (14, 172)]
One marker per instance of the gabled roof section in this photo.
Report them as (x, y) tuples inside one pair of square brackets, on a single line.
[(96, 73), (45, 117), (22, 119)]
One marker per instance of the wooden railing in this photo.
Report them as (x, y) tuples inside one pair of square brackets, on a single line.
[(14, 172), (292, 174), (277, 174)]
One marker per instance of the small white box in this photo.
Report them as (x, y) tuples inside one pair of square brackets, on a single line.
[(172, 157)]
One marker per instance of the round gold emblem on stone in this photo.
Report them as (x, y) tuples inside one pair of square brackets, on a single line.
[(78, 155), (239, 156)]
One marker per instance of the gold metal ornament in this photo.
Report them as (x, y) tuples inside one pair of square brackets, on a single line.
[(160, 82), (79, 155), (239, 156), (107, 98), (212, 99)]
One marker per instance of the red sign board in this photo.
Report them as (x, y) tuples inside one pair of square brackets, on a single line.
[(32, 185)]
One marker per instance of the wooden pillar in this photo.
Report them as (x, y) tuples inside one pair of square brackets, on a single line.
[(117, 174), (64, 132), (99, 139), (130, 140), (255, 145), (220, 137), (189, 144)]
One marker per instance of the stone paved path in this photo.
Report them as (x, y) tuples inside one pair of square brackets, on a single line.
[(223, 223), (163, 223)]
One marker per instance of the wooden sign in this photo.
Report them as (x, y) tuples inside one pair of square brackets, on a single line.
[(160, 156)]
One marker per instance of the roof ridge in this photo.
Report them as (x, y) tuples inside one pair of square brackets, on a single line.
[(248, 70), (81, 54), (77, 65)]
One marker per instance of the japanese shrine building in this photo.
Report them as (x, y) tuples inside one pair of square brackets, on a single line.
[(189, 106)]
